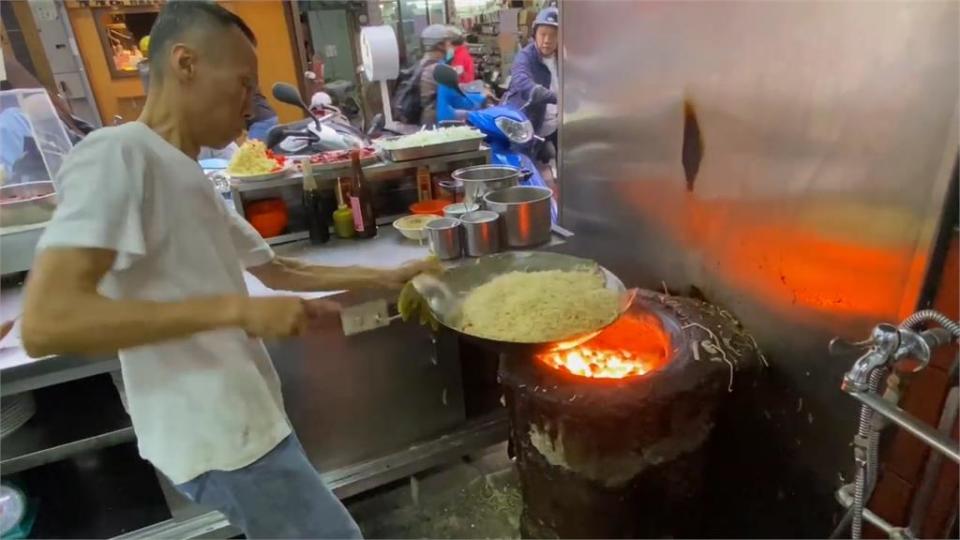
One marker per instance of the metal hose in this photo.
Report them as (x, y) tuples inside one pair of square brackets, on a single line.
[(866, 478), (931, 315)]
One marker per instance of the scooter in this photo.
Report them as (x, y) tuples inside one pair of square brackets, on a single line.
[(508, 132), (315, 134)]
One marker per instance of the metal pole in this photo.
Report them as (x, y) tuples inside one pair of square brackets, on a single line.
[(845, 498), (910, 423)]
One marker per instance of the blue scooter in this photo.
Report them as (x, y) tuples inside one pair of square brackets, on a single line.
[(508, 131)]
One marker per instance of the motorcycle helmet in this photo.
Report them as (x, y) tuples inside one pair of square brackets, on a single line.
[(436, 35), (547, 17)]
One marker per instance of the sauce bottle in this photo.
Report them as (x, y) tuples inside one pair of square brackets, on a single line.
[(361, 201), (318, 224), (342, 216)]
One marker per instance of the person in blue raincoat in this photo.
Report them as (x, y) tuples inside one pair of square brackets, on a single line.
[(452, 105), (536, 65)]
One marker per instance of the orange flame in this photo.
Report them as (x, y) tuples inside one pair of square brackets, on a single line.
[(632, 346)]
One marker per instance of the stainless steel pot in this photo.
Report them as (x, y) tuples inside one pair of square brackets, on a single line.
[(481, 233), (444, 236), (524, 214), (26, 203), (482, 179)]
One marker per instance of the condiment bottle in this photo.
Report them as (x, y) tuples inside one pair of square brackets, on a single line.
[(424, 191), (318, 224), (361, 201), (342, 216)]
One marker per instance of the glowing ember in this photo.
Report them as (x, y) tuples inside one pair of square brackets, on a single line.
[(599, 364), (634, 345)]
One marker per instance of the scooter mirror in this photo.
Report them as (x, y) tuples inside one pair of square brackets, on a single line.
[(286, 93), (447, 76)]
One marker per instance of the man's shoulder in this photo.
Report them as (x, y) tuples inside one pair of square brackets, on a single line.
[(529, 52), (116, 138)]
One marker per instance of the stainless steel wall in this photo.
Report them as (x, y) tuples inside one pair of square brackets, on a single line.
[(829, 134)]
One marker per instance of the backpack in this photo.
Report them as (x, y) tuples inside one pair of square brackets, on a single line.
[(406, 98)]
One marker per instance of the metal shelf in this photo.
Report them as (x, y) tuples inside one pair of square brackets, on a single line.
[(70, 419), (296, 179)]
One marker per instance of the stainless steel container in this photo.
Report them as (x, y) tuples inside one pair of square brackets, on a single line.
[(444, 237), (431, 150), (482, 179), (481, 232), (524, 214)]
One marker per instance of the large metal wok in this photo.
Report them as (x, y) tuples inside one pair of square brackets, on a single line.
[(445, 293)]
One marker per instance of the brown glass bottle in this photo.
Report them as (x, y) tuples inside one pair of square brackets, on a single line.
[(364, 220)]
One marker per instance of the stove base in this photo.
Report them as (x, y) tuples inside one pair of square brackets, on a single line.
[(624, 458)]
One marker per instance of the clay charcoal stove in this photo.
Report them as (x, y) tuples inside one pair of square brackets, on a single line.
[(611, 437)]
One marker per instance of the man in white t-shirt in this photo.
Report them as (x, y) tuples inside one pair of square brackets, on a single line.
[(142, 256)]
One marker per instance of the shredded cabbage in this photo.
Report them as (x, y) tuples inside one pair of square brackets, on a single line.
[(429, 137), (539, 307)]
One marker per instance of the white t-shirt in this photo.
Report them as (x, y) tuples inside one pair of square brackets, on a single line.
[(551, 120), (207, 402)]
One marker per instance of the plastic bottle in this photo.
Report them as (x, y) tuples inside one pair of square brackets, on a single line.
[(342, 216)]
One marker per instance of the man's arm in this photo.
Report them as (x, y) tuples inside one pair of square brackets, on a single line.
[(522, 82), (286, 274), (65, 314)]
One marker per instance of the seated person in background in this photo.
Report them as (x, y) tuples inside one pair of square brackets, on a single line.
[(462, 61), (536, 65), (264, 118), (14, 131), (436, 39)]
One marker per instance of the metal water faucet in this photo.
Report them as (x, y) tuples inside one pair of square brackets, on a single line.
[(880, 347), (888, 346)]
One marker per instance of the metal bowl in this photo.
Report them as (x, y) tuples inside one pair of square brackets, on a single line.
[(479, 180), (27, 203), (445, 293)]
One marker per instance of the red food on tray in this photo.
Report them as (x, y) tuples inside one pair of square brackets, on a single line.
[(281, 160), (341, 157)]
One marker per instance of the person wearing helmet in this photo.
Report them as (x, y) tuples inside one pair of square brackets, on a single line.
[(437, 39), (534, 80), (461, 59)]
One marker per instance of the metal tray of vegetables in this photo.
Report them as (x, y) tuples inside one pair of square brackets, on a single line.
[(430, 143)]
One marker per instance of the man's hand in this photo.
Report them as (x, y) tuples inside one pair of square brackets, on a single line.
[(6, 327), (286, 316), (398, 277), (273, 317), (412, 304), (322, 313)]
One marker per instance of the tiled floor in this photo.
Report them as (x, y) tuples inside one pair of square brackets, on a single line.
[(476, 498)]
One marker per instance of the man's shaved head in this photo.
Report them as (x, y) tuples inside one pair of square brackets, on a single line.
[(198, 21), (203, 71)]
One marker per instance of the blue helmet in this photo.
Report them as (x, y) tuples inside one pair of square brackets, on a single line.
[(548, 17)]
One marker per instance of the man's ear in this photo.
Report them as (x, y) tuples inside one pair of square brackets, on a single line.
[(183, 61)]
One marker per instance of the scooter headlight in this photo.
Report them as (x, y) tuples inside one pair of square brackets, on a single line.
[(517, 132)]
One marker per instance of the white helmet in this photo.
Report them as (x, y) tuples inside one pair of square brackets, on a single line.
[(436, 34)]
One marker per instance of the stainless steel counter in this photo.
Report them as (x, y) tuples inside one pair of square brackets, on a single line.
[(20, 373)]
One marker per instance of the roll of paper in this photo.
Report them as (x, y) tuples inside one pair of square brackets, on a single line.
[(379, 52)]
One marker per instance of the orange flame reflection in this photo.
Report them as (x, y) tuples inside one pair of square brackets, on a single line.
[(632, 346)]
